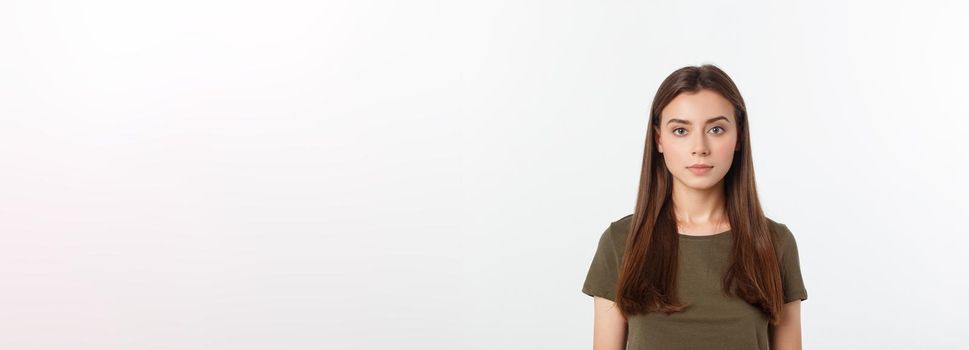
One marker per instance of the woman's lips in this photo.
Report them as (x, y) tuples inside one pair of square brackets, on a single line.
[(700, 170)]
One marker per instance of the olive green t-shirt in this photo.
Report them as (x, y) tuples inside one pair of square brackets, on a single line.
[(713, 320)]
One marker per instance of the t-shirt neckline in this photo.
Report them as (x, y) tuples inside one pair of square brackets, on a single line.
[(706, 237)]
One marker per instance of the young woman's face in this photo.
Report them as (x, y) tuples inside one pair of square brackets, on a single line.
[(698, 128)]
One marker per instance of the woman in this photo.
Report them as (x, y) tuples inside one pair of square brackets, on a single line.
[(697, 265)]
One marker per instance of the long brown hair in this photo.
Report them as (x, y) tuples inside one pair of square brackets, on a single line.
[(647, 278)]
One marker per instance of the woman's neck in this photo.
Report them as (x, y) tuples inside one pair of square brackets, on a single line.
[(701, 210)]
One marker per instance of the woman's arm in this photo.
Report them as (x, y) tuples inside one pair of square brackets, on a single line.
[(609, 332), (786, 335)]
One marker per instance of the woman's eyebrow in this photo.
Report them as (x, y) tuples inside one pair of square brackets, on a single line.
[(687, 122)]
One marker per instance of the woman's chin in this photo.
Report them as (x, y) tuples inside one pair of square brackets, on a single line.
[(699, 184)]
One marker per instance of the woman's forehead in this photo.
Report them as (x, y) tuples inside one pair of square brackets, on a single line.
[(698, 107)]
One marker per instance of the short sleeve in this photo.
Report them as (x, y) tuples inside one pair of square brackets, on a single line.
[(791, 267), (604, 270)]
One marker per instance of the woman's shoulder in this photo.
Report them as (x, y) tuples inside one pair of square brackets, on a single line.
[(783, 237), (622, 224), (625, 220), (780, 229), (617, 231)]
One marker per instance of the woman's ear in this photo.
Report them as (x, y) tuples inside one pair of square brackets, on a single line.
[(656, 136)]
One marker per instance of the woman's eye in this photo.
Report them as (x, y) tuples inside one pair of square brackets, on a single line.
[(722, 130)]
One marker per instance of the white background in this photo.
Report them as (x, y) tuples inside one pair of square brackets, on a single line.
[(436, 175)]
